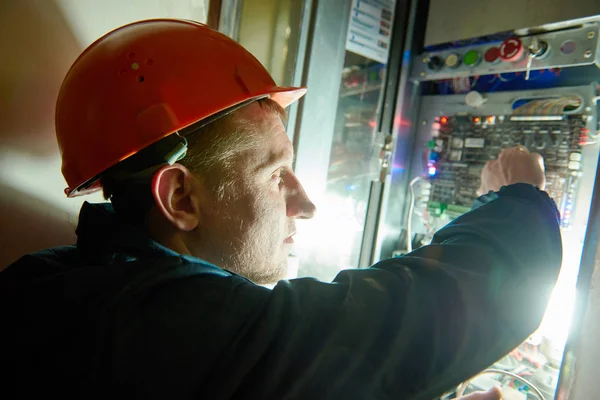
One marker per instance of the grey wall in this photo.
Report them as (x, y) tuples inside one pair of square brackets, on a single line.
[(451, 20)]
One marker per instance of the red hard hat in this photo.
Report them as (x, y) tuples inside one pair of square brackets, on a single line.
[(145, 81)]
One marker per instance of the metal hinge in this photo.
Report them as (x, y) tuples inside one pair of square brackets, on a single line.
[(386, 157)]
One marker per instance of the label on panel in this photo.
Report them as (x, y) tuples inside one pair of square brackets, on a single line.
[(370, 28), (475, 143)]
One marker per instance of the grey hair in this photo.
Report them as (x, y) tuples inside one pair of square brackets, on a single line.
[(211, 154), (212, 150)]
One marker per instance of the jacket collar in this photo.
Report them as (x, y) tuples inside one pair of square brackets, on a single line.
[(106, 237)]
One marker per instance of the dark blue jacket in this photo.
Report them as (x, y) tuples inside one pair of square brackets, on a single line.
[(120, 316)]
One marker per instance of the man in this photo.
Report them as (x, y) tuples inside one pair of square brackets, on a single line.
[(182, 128)]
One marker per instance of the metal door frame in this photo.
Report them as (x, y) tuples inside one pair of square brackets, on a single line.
[(397, 72), (392, 216)]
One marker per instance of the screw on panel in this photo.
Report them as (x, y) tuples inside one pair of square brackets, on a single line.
[(591, 35), (587, 54), (422, 73), (424, 122)]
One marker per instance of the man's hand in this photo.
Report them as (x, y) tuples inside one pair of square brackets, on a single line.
[(493, 394), (514, 165)]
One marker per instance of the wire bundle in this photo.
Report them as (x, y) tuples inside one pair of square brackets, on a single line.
[(552, 106)]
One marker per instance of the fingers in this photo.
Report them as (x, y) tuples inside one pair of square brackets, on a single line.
[(514, 165), (513, 152), (494, 393), (520, 166), (511, 157), (485, 172), (492, 177), (520, 152), (538, 159)]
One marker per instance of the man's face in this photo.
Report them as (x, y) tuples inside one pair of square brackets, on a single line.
[(250, 232)]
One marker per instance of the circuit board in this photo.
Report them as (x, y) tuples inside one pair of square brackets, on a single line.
[(464, 144)]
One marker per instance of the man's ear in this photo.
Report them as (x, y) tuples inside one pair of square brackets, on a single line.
[(176, 196)]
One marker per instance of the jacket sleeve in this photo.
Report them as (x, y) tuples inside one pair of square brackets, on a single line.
[(406, 328)]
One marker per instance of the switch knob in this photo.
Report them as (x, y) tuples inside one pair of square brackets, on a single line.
[(511, 49), (435, 63)]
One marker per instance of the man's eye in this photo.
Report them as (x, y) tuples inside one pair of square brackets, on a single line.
[(277, 176)]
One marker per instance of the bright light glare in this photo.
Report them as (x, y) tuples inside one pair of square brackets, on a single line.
[(557, 319), (327, 242)]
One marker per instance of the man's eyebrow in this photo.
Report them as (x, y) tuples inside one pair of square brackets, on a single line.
[(278, 158)]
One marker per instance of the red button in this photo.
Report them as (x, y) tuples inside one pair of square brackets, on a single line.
[(511, 49), (492, 54)]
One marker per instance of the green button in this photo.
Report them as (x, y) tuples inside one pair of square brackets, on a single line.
[(472, 58)]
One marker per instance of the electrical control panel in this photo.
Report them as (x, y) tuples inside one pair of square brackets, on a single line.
[(455, 141), (463, 144), (576, 46), (455, 138), (534, 89)]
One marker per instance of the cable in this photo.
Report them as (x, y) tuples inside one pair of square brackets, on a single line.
[(503, 79), (475, 80), (411, 209), (464, 386)]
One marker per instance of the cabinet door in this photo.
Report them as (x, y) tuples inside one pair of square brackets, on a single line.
[(337, 141)]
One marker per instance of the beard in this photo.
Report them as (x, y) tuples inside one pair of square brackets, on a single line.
[(248, 265), (251, 250)]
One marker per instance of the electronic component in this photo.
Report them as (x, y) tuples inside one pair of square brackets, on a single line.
[(464, 144), (472, 58), (511, 49), (492, 55), (452, 60), (576, 46), (435, 63)]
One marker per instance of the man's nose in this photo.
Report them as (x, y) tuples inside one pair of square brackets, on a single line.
[(298, 203)]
